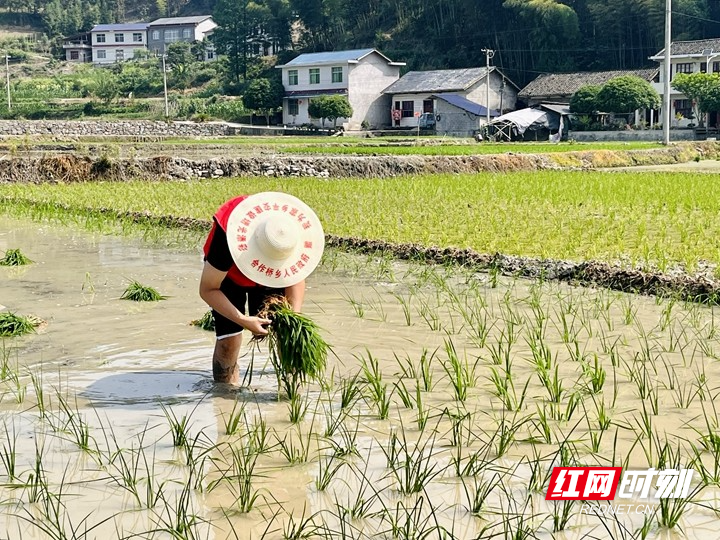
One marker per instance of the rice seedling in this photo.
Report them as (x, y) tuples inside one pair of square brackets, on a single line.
[(206, 322), (297, 350), (409, 522), (294, 453), (76, 426), (179, 427), (405, 306), (412, 466), (594, 375), (350, 391), (233, 419), (357, 305), (12, 325), (303, 528), (329, 466), (562, 513), (404, 394), (423, 414), (297, 408), (8, 454), (180, 520), (137, 292), (460, 373), (426, 369), (239, 479), (14, 257), (258, 435), (377, 389), (504, 389)]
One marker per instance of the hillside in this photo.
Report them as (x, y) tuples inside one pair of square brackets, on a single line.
[(529, 36)]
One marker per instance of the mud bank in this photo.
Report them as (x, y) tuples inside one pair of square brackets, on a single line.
[(702, 286), (73, 168)]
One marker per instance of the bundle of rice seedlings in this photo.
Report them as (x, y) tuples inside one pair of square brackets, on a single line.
[(141, 293), (12, 325), (297, 350), (14, 257), (206, 322)]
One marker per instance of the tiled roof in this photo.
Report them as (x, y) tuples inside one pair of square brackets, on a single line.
[(441, 80), (566, 84), (119, 27), (169, 21), (330, 57), (700, 47)]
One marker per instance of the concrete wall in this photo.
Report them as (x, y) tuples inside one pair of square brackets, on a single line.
[(639, 135), (455, 122), (366, 81), (134, 128)]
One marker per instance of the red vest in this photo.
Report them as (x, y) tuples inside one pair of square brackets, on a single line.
[(221, 218)]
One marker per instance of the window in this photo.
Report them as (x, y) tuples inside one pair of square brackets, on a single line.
[(427, 105), (337, 74), (119, 38), (210, 54), (716, 67), (408, 109), (172, 35), (101, 55), (293, 108), (156, 35), (156, 51), (187, 33), (684, 107), (137, 37), (100, 38), (119, 55), (292, 77), (703, 67), (684, 68), (314, 75), (74, 55)]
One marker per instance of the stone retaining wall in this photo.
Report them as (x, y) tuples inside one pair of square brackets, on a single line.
[(116, 128)]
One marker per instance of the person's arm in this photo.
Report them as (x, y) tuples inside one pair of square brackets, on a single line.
[(295, 295), (210, 292)]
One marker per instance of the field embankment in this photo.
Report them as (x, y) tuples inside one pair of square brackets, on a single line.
[(71, 167)]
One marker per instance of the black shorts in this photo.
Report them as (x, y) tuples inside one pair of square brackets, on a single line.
[(248, 300)]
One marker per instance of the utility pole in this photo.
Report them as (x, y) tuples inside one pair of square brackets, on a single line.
[(167, 110), (7, 79), (667, 57), (489, 53)]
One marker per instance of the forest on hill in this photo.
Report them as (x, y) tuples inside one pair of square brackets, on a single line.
[(530, 37)]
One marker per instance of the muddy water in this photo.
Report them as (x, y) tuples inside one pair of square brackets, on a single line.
[(116, 370)]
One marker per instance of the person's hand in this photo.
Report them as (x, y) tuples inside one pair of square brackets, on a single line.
[(256, 325)]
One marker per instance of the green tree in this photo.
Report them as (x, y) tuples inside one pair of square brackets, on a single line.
[(701, 88), (330, 107), (182, 64), (585, 99), (627, 94), (263, 96)]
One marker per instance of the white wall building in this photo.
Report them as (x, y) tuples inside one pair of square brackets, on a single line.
[(412, 95), (699, 56), (360, 74), (117, 42)]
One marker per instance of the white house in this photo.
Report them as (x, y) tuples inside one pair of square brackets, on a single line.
[(117, 42), (699, 56), (360, 74), (413, 94), (163, 32)]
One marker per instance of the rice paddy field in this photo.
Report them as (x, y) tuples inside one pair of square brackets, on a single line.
[(448, 397)]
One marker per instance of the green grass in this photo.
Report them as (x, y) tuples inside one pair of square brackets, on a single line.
[(578, 215), (407, 148)]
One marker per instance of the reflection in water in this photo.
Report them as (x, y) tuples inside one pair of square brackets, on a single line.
[(485, 388)]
